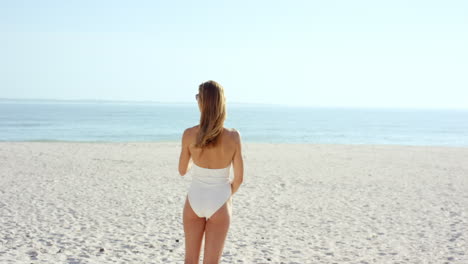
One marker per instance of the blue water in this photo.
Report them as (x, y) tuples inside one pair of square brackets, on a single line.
[(42, 120)]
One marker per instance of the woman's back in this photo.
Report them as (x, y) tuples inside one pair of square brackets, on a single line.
[(217, 157)]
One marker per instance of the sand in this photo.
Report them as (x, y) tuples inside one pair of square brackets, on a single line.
[(64, 202)]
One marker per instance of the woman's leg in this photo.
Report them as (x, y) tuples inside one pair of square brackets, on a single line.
[(216, 230), (194, 227)]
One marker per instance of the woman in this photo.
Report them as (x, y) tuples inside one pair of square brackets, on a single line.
[(212, 148)]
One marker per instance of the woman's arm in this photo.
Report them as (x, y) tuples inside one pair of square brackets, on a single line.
[(184, 154), (238, 164)]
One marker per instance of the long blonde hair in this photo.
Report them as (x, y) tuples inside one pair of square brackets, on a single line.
[(213, 113)]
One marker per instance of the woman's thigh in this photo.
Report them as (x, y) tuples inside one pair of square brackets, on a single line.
[(216, 230), (194, 227)]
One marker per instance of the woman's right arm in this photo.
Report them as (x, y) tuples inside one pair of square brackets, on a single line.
[(238, 164)]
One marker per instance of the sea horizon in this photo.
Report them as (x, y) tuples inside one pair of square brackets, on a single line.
[(56, 120), (111, 101)]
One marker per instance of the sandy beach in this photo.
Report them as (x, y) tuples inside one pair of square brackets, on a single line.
[(63, 202)]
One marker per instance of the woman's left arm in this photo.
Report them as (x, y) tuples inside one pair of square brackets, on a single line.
[(184, 158)]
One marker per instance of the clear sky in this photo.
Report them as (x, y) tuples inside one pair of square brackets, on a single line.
[(399, 53)]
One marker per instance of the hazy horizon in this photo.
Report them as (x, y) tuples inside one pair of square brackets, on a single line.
[(228, 103), (360, 54)]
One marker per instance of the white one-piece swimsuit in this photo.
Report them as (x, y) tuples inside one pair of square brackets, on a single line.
[(209, 190)]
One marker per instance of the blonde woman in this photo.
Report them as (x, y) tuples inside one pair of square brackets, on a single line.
[(212, 149)]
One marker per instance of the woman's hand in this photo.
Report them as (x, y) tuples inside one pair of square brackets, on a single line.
[(232, 189)]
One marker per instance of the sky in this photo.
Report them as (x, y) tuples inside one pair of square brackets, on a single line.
[(399, 54)]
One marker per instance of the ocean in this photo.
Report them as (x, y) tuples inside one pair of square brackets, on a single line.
[(113, 121)]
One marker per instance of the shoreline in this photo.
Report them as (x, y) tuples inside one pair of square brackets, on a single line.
[(244, 142)]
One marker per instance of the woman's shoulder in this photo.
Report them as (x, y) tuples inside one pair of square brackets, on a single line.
[(190, 132), (230, 132), (233, 133), (191, 129)]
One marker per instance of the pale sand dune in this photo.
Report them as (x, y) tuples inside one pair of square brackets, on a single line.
[(63, 202)]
